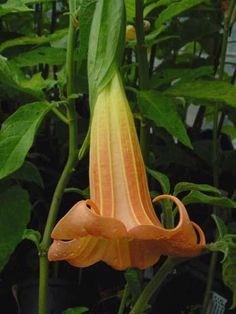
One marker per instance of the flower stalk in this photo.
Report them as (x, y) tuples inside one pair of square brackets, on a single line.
[(68, 169)]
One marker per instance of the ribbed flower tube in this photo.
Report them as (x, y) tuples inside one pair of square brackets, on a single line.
[(118, 225)]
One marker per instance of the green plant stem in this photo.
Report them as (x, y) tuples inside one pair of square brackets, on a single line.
[(143, 70), (123, 300), (142, 302), (68, 169), (60, 115), (216, 132)]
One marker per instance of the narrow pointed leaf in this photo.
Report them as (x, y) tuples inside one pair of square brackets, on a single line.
[(14, 216), (162, 179), (175, 9), (13, 6), (188, 186), (162, 110), (17, 135), (199, 197)]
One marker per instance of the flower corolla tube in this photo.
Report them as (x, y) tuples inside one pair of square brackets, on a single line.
[(118, 225)]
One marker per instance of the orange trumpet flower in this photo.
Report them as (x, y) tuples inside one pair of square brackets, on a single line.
[(119, 225)]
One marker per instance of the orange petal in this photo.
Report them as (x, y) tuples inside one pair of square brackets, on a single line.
[(82, 220)]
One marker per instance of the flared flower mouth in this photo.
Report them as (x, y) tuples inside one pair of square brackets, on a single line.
[(119, 225)]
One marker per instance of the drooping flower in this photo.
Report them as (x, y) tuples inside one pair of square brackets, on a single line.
[(119, 225)]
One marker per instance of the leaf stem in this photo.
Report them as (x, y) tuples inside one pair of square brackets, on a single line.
[(153, 285), (68, 169), (123, 300)]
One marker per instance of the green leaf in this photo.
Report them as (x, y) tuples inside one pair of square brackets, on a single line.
[(227, 245), (85, 20), (221, 227), (216, 92), (43, 55), (14, 216), (29, 173), (175, 9), (229, 130), (13, 6), (188, 186), (76, 310), (32, 235), (162, 179), (26, 41), (152, 6), (106, 42), (199, 197), (130, 10), (167, 76), (17, 135), (13, 82), (162, 110)]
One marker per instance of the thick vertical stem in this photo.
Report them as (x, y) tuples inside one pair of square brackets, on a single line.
[(68, 169), (150, 289)]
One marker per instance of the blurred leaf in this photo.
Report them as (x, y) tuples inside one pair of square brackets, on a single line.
[(14, 216), (17, 135), (166, 76), (32, 235), (162, 110), (175, 9), (199, 197), (162, 179), (85, 20), (216, 92), (188, 186), (13, 6), (105, 45), (227, 245), (229, 130), (130, 10), (26, 41), (29, 173), (43, 55), (152, 6), (37, 83), (76, 310)]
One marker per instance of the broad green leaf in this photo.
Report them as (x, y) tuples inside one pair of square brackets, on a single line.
[(34, 41), (162, 179), (162, 110), (14, 216), (17, 135), (216, 92), (13, 6), (29, 173), (76, 310), (175, 9), (199, 197), (188, 186), (32, 235), (227, 245), (130, 10), (13, 82), (85, 20), (106, 43), (41, 55)]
